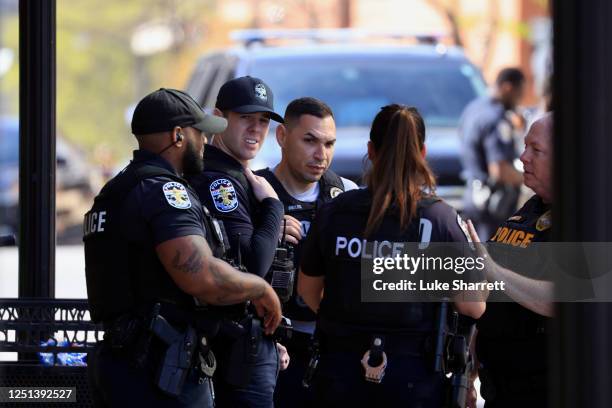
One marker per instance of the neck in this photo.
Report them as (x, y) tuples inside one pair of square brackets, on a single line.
[(496, 95), (177, 165), (546, 200), (217, 141), (293, 185)]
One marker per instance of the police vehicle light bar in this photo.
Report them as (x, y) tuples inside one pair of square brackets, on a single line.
[(333, 34)]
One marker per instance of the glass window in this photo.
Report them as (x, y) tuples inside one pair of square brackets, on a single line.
[(357, 88)]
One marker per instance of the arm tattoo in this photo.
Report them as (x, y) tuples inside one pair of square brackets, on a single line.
[(234, 285), (192, 265)]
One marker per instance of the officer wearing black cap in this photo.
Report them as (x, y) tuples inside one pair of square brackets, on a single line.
[(396, 207), (252, 215), (150, 270), (303, 182)]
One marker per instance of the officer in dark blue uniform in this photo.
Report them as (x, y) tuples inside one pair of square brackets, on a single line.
[(148, 266), (252, 215), (395, 207), (487, 130), (511, 341), (303, 182)]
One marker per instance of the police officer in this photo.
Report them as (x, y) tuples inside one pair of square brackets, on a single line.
[(395, 207), (487, 128), (147, 263), (511, 341), (251, 213), (303, 182)]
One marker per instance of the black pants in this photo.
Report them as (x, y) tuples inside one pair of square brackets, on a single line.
[(526, 400), (528, 390), (117, 381), (408, 382), (289, 392)]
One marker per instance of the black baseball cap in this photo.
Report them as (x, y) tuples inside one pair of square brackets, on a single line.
[(162, 110), (247, 95)]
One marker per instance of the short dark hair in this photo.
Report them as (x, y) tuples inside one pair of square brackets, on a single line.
[(512, 75), (307, 106)]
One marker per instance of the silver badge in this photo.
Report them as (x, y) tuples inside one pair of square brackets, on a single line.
[(334, 192), (466, 232)]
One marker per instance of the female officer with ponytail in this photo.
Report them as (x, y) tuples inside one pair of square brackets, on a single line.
[(397, 206)]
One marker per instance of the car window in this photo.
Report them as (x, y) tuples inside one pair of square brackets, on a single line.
[(357, 88), (203, 78), (9, 143)]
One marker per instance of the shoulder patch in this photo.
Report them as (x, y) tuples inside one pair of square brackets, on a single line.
[(176, 195), (334, 192), (464, 228), (505, 131), (223, 195)]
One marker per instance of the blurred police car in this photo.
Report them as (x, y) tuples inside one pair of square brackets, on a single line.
[(356, 77), (72, 174)]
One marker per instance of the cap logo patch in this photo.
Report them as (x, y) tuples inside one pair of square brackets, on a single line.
[(260, 92), (223, 195), (176, 195)]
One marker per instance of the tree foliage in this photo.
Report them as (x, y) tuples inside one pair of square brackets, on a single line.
[(98, 75)]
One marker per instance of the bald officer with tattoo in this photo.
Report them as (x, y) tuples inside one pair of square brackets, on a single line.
[(150, 271)]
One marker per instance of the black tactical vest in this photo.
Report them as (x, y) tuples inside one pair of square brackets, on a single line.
[(519, 329), (125, 277), (330, 185), (342, 301)]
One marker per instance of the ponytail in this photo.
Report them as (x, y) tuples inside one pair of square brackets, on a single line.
[(399, 173)]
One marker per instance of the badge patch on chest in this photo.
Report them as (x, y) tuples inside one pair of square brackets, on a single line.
[(224, 195), (176, 195), (334, 192), (544, 221), (464, 228)]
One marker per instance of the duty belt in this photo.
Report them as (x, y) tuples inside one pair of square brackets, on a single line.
[(337, 337)]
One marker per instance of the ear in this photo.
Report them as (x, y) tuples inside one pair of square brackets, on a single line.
[(178, 136), (281, 135), (424, 151), (371, 151), (217, 112)]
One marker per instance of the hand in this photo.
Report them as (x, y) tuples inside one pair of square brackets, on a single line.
[(261, 188), (268, 306), (481, 250), (283, 356), (471, 400), (293, 232)]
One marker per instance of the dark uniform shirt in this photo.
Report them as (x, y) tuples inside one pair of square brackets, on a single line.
[(120, 244), (325, 254), (487, 137), (511, 343), (224, 189)]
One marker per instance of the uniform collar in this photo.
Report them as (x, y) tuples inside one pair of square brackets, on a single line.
[(152, 158), (213, 153)]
